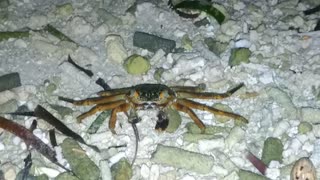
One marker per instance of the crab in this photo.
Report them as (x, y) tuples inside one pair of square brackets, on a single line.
[(154, 96)]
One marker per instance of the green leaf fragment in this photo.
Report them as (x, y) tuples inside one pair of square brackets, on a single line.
[(98, 122)]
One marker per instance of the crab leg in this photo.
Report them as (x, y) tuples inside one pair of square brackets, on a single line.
[(207, 95), (193, 116), (212, 110), (101, 107), (115, 91), (113, 118), (199, 88), (94, 100)]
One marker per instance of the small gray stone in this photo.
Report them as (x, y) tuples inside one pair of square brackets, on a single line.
[(192, 161), (284, 101), (109, 18), (9, 81), (64, 9), (215, 46), (272, 150), (122, 170), (9, 106), (62, 110), (152, 42), (310, 115), (79, 162), (202, 22)]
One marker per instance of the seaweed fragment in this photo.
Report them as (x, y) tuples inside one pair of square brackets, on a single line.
[(197, 5), (98, 121), (31, 140), (55, 32), (86, 71), (13, 34)]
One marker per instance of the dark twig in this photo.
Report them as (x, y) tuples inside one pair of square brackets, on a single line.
[(27, 166), (86, 71), (312, 11), (103, 84), (52, 136)]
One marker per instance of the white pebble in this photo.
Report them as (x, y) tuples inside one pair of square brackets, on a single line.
[(51, 173), (10, 174), (19, 43), (106, 173), (315, 156), (114, 159), (116, 51), (16, 140), (242, 43), (145, 171), (2, 147), (6, 96), (154, 172), (235, 136), (188, 177), (218, 170), (281, 128), (207, 145)]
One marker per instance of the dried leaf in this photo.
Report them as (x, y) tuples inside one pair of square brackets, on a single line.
[(30, 139), (257, 163)]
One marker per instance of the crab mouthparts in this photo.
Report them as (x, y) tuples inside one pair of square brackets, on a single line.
[(149, 105)]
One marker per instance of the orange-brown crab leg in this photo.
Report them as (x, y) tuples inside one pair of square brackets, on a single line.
[(199, 88), (193, 116), (113, 117), (207, 95), (115, 91), (212, 110), (101, 107), (94, 100)]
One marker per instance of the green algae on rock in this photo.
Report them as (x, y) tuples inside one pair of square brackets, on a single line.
[(136, 64), (238, 56), (272, 150), (122, 170), (304, 127), (79, 162), (192, 161)]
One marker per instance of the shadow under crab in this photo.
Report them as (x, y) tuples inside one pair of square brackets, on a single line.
[(154, 96)]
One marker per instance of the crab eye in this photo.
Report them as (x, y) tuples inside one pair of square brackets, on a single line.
[(163, 94), (135, 94)]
